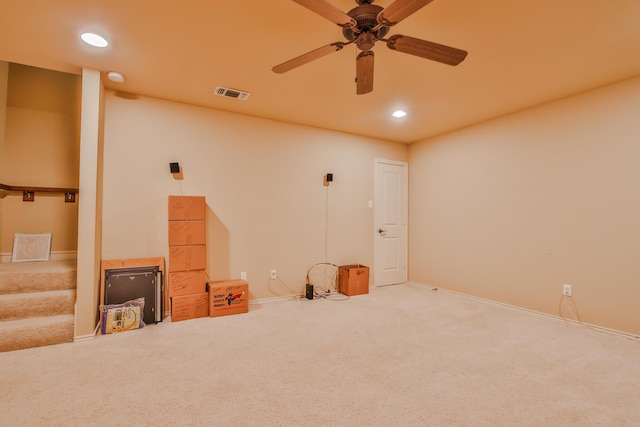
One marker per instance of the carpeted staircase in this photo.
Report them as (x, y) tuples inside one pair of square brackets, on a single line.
[(36, 303)]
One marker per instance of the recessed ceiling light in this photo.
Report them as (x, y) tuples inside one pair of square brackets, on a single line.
[(94, 40), (114, 76), (399, 113)]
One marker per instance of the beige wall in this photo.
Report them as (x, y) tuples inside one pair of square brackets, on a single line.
[(4, 81), (262, 181), (41, 149), (513, 208), (90, 204)]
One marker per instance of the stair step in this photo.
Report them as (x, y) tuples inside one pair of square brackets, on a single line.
[(37, 276), (36, 332), (36, 304)]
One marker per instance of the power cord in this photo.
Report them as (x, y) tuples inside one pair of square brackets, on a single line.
[(283, 283), (326, 226), (333, 277), (563, 303), (578, 320), (319, 291), (331, 296)]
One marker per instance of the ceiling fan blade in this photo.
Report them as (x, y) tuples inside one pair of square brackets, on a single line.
[(328, 11), (429, 50), (307, 57), (364, 72), (400, 9)]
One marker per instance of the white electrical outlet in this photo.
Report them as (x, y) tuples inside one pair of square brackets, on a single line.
[(566, 290), (273, 274), (243, 276)]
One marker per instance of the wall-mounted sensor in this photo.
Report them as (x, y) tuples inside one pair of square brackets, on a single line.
[(176, 171), (327, 179)]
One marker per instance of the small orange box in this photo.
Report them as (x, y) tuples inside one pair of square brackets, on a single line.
[(189, 307), (185, 258), (187, 233), (187, 282), (353, 279), (187, 208), (228, 297)]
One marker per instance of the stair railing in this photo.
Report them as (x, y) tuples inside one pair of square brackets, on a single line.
[(28, 193)]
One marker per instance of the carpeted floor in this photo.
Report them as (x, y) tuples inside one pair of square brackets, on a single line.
[(37, 276), (400, 356), (37, 301)]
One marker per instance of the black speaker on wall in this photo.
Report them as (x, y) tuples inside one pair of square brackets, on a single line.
[(175, 167)]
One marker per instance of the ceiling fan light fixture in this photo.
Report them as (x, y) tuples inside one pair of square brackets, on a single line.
[(94, 40), (398, 114), (365, 41)]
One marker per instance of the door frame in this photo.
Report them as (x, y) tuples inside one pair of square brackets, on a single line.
[(376, 219)]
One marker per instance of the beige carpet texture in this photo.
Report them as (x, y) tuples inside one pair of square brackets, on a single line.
[(37, 276), (37, 301), (402, 355)]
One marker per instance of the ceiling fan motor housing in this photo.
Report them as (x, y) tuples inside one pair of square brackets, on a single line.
[(366, 24), (365, 16)]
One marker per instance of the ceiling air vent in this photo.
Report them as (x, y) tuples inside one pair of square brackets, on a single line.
[(232, 93)]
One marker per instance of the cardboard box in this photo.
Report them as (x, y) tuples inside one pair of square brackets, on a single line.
[(353, 279), (189, 307), (183, 233), (187, 282), (187, 208), (228, 297), (185, 258)]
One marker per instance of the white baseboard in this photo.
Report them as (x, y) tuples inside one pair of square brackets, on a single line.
[(273, 299), (5, 257), (84, 338), (420, 284), (87, 337), (540, 313), (167, 313)]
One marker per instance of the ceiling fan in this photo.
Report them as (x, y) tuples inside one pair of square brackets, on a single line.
[(365, 25)]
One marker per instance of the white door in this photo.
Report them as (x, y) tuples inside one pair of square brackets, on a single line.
[(390, 222)]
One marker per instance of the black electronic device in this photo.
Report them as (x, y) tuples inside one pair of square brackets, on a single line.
[(309, 291), (175, 167), (126, 284), (329, 177)]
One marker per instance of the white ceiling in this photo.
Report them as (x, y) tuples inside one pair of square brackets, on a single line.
[(521, 53)]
